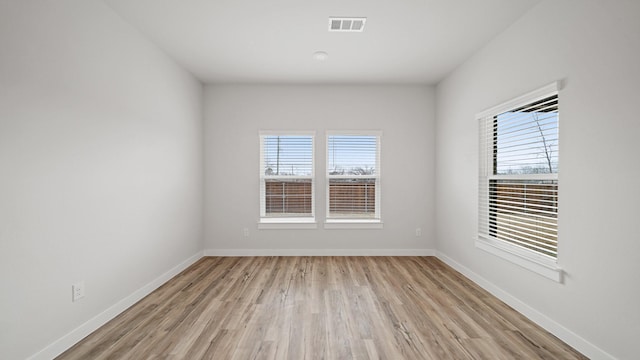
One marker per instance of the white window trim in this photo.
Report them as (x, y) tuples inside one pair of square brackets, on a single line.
[(532, 96), (354, 223), (287, 223), (306, 222), (538, 263)]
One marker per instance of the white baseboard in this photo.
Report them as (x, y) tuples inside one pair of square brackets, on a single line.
[(67, 341), (319, 252), (586, 348), (566, 335)]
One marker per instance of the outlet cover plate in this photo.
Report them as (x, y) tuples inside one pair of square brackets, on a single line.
[(77, 291)]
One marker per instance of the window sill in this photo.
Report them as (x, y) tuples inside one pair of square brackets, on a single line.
[(287, 223), (352, 224), (524, 258)]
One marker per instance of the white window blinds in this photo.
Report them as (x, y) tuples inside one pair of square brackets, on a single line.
[(353, 176), (286, 176), (518, 180)]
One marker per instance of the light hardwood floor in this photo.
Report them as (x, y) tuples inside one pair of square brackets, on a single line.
[(320, 308)]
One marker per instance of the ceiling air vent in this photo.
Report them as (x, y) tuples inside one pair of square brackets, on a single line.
[(344, 24)]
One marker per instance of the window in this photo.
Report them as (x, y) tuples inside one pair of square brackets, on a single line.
[(518, 204), (353, 177), (286, 178)]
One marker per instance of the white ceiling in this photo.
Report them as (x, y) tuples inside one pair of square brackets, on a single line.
[(272, 41)]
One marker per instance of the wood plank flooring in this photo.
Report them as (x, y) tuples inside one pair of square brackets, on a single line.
[(320, 308)]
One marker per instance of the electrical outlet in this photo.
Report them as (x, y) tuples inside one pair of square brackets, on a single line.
[(418, 232), (245, 232), (77, 291)]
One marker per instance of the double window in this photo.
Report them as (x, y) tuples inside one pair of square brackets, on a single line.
[(287, 177), (287, 181), (518, 182), (353, 177)]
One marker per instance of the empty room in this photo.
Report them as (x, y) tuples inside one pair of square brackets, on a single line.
[(289, 179)]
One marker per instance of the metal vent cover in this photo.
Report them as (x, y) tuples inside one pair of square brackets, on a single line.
[(347, 24)]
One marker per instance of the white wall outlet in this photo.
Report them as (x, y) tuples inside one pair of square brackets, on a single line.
[(77, 291), (418, 232), (245, 232)]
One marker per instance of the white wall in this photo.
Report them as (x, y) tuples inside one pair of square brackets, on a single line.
[(594, 48), (100, 166), (234, 116)]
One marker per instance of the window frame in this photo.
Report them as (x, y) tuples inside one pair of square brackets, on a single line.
[(346, 222), (286, 222), (546, 266)]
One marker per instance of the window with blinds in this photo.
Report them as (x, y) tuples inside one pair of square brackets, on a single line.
[(353, 176), (518, 181), (286, 176)]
